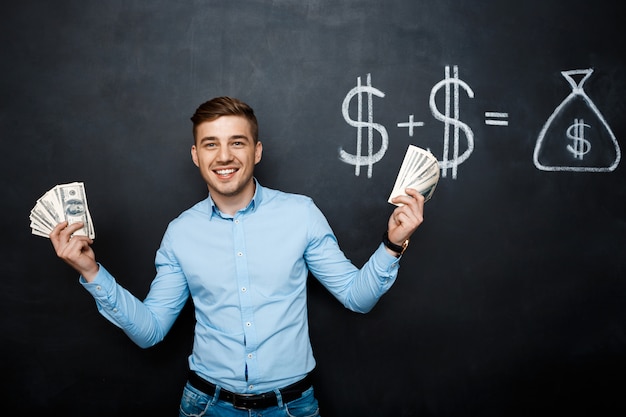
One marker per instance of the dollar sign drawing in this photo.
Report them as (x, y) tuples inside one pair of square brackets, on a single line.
[(359, 159), (457, 159), (581, 145)]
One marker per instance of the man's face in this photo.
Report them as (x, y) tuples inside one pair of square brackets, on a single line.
[(226, 154)]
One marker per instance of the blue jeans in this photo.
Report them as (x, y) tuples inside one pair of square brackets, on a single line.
[(196, 403)]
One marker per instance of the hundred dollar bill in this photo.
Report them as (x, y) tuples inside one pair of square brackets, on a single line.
[(420, 171), (39, 220), (73, 201), (63, 202), (44, 216)]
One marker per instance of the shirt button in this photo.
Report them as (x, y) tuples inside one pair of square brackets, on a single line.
[(249, 355), (237, 221), (250, 386), (239, 253), (115, 310), (243, 289), (248, 324), (98, 288)]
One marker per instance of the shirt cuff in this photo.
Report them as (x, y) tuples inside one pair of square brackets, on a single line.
[(385, 259), (102, 284)]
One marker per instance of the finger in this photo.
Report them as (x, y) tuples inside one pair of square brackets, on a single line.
[(70, 229), (408, 216), (76, 245), (418, 201), (56, 238), (412, 192), (62, 233), (54, 234), (407, 219), (414, 204)]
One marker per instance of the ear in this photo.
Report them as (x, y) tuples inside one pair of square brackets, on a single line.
[(194, 156), (258, 152)]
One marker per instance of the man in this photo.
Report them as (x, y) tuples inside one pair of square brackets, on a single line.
[(243, 255)]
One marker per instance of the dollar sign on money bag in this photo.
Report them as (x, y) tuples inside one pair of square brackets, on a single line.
[(372, 157), (576, 133), (451, 86), (576, 137)]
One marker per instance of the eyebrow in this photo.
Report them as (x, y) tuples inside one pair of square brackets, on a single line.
[(233, 137)]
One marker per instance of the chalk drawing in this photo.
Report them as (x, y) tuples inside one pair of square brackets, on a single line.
[(457, 157), (576, 137), (372, 157), (494, 118), (410, 124)]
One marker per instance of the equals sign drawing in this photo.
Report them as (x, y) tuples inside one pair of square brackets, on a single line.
[(494, 118)]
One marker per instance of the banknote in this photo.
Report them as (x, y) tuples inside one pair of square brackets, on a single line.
[(62, 202), (419, 170)]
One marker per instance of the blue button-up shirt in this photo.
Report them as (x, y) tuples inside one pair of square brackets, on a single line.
[(247, 277)]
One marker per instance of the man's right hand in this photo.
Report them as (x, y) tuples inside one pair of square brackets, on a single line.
[(75, 250)]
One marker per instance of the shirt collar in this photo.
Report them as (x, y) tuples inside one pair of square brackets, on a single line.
[(257, 198)]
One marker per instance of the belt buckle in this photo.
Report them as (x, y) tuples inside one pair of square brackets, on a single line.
[(242, 397)]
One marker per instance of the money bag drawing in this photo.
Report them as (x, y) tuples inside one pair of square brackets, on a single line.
[(576, 137)]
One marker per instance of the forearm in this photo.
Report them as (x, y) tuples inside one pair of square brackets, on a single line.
[(373, 280), (357, 289), (146, 323)]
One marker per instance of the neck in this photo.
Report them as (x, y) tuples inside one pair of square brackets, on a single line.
[(231, 204)]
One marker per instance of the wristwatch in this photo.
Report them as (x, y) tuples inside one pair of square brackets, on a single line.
[(396, 248)]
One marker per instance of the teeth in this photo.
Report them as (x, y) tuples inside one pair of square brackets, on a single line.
[(225, 171)]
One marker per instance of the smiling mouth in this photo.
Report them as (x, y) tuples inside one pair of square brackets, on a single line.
[(225, 172)]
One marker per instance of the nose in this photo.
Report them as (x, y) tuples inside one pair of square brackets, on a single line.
[(224, 154)]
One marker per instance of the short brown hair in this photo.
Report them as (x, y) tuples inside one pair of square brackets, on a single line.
[(225, 106)]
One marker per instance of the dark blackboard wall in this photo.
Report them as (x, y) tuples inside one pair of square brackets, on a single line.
[(511, 300)]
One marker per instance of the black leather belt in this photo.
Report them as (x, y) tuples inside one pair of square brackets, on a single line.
[(252, 401)]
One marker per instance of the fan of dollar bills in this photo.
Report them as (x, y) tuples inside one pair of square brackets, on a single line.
[(419, 170), (63, 202)]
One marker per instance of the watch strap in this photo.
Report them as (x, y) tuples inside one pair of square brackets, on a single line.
[(396, 248)]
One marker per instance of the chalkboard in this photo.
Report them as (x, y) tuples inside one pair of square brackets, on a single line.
[(510, 300)]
